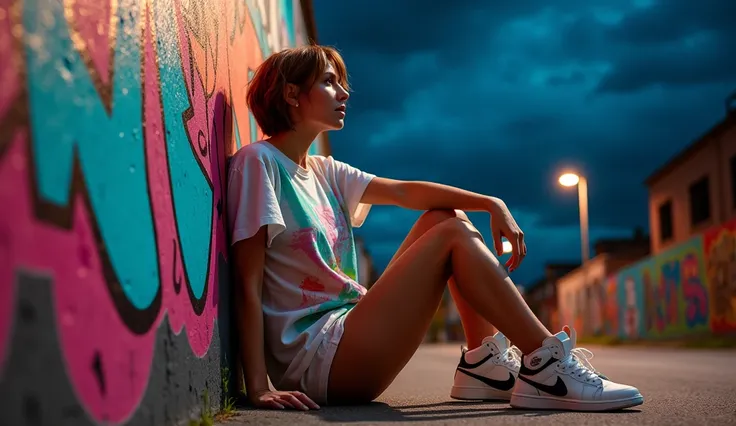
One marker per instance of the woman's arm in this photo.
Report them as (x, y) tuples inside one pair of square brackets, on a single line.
[(419, 195), (249, 256)]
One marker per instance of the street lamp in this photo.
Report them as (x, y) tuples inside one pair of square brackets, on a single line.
[(572, 179)]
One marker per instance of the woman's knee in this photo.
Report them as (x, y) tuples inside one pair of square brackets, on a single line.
[(435, 216), (453, 228)]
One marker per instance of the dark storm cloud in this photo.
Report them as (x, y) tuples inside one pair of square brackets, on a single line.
[(675, 19), (500, 97), (670, 43), (391, 27)]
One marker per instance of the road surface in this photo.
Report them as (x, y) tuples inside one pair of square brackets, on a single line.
[(687, 387)]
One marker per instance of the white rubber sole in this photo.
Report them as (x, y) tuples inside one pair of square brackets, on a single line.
[(536, 402), (472, 393)]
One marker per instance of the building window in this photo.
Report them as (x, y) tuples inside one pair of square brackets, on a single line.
[(699, 201), (665, 221), (733, 181)]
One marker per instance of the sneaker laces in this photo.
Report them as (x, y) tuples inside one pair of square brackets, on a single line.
[(579, 364), (583, 355), (513, 357)]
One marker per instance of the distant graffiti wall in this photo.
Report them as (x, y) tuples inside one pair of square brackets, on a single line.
[(687, 290), (116, 120)]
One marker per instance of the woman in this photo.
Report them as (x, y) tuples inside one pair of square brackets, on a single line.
[(319, 335)]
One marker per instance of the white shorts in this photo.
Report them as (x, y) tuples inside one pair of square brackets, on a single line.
[(315, 380)]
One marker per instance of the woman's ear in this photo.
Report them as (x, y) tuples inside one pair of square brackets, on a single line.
[(291, 94)]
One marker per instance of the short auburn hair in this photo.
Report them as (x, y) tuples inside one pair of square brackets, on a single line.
[(301, 66)]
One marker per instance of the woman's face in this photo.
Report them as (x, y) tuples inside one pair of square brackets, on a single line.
[(324, 105)]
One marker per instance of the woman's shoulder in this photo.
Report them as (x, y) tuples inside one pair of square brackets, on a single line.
[(321, 163), (256, 150), (322, 160)]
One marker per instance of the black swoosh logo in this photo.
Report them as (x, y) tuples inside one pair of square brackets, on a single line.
[(558, 389), (466, 364), (503, 385)]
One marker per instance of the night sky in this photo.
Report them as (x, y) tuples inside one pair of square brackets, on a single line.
[(498, 97)]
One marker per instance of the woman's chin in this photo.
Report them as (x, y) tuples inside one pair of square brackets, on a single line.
[(338, 125)]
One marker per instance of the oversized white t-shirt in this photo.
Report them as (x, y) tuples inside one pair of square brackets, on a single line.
[(310, 272)]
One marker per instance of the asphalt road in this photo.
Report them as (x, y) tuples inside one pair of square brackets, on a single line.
[(688, 387)]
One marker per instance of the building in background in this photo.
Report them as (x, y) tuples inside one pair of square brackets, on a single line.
[(687, 285), (581, 293), (696, 189), (541, 295)]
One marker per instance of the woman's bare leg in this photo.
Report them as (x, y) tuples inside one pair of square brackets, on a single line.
[(384, 330), (475, 327)]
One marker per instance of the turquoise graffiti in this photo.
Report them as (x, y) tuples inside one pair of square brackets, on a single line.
[(116, 121), (659, 297), (630, 299), (73, 127), (680, 295)]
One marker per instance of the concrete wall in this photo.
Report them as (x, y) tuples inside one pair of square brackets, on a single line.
[(688, 289), (116, 119), (713, 160)]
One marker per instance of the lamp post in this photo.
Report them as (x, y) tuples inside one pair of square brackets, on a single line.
[(572, 179)]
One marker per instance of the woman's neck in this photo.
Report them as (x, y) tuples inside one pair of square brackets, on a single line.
[(294, 144)]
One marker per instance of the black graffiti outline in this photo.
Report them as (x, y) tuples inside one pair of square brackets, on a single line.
[(198, 304), (138, 321), (176, 279)]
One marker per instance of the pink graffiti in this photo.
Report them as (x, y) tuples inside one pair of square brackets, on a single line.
[(88, 323), (200, 328), (611, 295), (107, 365), (11, 163), (200, 85), (91, 25), (9, 75)]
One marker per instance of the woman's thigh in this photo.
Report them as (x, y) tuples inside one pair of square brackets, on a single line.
[(384, 329)]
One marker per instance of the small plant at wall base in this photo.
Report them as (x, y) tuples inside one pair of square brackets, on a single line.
[(228, 402), (205, 416)]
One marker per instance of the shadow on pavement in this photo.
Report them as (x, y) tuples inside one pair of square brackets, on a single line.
[(441, 411)]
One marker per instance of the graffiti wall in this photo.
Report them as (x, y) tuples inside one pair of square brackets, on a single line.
[(689, 289), (720, 270), (116, 120)]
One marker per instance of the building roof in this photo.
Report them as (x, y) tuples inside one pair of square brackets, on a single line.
[(727, 123)]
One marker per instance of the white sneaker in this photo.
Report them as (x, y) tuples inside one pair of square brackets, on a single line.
[(488, 372), (558, 376)]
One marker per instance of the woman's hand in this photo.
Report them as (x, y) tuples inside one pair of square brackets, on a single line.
[(280, 400), (504, 225)]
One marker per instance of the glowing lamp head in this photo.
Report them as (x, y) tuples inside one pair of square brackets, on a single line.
[(569, 179)]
